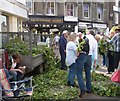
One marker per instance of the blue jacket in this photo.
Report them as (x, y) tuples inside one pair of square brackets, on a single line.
[(62, 44)]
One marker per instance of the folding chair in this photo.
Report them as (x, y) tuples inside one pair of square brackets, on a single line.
[(21, 89)]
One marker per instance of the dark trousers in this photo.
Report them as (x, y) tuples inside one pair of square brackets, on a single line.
[(63, 57), (116, 59), (111, 61)]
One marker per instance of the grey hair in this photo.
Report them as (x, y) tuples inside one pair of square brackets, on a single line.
[(72, 35)]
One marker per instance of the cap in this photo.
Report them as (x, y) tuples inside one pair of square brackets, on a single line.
[(65, 31)]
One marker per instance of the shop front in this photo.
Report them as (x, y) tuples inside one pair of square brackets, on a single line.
[(43, 26), (98, 27)]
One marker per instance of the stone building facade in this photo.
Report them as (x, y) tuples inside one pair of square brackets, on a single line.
[(85, 13)]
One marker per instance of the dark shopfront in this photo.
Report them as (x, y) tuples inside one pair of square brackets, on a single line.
[(96, 26), (44, 25)]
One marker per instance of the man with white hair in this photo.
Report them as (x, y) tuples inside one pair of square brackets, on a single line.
[(62, 48)]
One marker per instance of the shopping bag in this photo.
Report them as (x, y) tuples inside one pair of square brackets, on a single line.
[(116, 76)]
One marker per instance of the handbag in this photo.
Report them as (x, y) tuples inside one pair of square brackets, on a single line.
[(116, 76)]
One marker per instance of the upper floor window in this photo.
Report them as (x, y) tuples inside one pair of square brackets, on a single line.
[(4, 23), (100, 12), (51, 8), (86, 10), (70, 9), (29, 5)]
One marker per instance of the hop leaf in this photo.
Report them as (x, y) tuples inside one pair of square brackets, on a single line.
[(80, 45)]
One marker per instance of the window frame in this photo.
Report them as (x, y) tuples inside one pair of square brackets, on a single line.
[(88, 10), (73, 10), (47, 12), (101, 14)]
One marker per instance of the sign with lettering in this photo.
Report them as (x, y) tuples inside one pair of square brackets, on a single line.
[(47, 20)]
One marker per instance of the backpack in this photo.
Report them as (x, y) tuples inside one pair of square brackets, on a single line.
[(86, 46)]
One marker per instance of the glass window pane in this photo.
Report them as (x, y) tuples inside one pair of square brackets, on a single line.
[(50, 7), (70, 9), (4, 23), (86, 10), (100, 12)]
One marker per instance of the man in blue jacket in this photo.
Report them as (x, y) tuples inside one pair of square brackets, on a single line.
[(62, 48)]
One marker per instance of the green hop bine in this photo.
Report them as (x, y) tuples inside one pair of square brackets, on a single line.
[(80, 45)]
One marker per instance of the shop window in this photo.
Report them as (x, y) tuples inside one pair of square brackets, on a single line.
[(100, 12), (51, 8), (4, 23), (86, 10), (70, 9)]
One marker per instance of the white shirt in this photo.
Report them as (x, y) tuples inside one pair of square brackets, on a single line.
[(56, 38), (70, 53), (93, 46), (13, 64), (48, 40)]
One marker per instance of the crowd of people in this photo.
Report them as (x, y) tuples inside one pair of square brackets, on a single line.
[(87, 57), (76, 56)]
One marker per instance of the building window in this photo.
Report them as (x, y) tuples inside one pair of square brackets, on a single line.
[(86, 10), (100, 12), (70, 9), (29, 5), (4, 23), (51, 8)]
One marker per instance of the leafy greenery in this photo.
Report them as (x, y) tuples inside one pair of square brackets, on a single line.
[(80, 45), (52, 83), (16, 45), (103, 86), (104, 46)]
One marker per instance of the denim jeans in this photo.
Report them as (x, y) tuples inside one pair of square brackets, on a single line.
[(16, 75), (84, 61), (71, 73)]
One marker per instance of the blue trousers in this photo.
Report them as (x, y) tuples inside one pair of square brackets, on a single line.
[(16, 75), (71, 73), (84, 61)]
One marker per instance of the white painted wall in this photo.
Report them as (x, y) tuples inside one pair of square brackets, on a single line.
[(10, 7)]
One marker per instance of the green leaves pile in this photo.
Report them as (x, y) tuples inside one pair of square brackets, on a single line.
[(104, 46), (22, 47), (16, 45), (80, 45), (102, 85), (52, 83)]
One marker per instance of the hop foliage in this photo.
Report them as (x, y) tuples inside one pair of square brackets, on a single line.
[(104, 46), (80, 45), (17, 45)]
